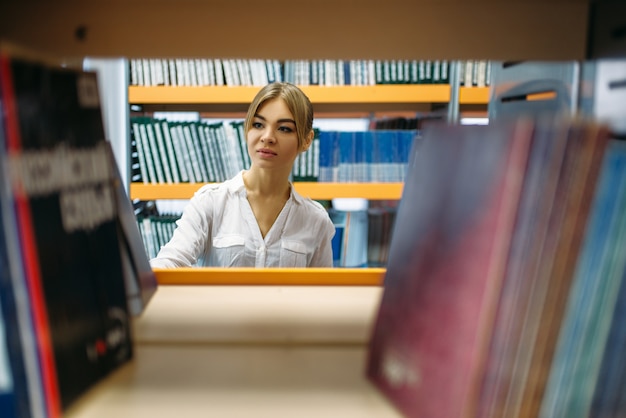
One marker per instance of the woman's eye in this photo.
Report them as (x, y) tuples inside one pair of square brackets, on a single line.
[(286, 129), (257, 125)]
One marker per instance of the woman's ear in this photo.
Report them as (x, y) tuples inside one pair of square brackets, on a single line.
[(308, 141)]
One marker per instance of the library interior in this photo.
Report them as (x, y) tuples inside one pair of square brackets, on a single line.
[(471, 156)]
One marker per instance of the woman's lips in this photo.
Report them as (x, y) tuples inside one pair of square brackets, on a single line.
[(266, 152)]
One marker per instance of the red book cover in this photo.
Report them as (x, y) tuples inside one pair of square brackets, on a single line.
[(446, 266)]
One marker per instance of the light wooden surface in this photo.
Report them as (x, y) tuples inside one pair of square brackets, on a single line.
[(318, 29), (246, 351), (259, 314)]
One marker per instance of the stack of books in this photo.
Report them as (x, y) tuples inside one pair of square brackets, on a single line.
[(505, 290)]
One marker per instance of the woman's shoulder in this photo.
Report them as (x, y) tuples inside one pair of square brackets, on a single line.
[(313, 208), (231, 185)]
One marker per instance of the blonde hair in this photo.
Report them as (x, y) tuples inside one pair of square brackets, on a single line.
[(297, 102)]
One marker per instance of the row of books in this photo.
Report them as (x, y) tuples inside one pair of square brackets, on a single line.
[(73, 271), (258, 72), (198, 152), (156, 231), (186, 152), (365, 156), (505, 291)]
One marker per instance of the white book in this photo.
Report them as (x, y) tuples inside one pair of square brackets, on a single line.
[(216, 156), (229, 78), (143, 169), (167, 173), (182, 156), (206, 153), (154, 152), (193, 155), (171, 153), (134, 80), (210, 71), (152, 178), (195, 138), (218, 66), (145, 65)]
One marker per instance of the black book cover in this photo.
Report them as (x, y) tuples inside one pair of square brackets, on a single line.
[(66, 214)]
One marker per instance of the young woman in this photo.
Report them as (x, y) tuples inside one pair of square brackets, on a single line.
[(257, 219)]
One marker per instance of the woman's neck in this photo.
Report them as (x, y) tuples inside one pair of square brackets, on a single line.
[(266, 183)]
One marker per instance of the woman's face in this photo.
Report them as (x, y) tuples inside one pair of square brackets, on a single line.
[(272, 138)]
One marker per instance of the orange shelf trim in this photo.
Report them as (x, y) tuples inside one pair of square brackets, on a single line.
[(313, 190), (271, 276)]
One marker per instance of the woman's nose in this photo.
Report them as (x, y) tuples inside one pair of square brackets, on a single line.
[(268, 136)]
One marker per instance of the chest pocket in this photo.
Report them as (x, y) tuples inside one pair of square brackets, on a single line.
[(292, 254), (229, 251)]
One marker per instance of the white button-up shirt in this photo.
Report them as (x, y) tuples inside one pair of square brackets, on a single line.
[(218, 228)]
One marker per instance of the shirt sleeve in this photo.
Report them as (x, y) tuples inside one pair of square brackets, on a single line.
[(190, 237)]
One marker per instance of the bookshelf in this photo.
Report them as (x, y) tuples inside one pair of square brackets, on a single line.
[(246, 351), (168, 378), (400, 96), (347, 97)]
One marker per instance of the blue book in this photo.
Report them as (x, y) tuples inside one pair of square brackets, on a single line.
[(369, 156), (385, 152), (347, 76), (339, 220), (20, 396), (350, 242), (406, 144), (346, 157), (359, 167), (574, 371), (327, 151), (609, 399), (396, 158)]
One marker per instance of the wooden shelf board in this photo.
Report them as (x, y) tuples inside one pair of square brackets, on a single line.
[(474, 95), (271, 276), (320, 191), (400, 93)]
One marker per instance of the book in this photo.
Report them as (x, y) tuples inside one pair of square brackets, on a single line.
[(351, 246), (446, 266), (608, 397), (65, 213), (21, 389), (592, 302), (381, 217), (585, 147), (140, 280), (544, 165), (142, 151)]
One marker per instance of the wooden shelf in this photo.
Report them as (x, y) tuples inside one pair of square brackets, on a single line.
[(416, 29), (319, 191), (271, 276), (401, 93), (246, 351), (474, 95)]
